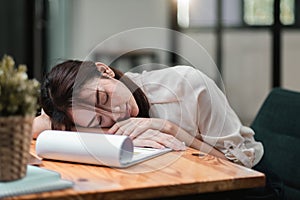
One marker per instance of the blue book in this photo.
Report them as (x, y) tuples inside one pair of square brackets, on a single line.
[(36, 180)]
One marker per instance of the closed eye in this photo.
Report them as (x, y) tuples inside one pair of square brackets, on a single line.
[(101, 97), (99, 120), (90, 124)]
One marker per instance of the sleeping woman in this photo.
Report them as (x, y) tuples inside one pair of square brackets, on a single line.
[(173, 107)]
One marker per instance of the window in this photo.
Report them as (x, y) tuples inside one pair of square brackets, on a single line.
[(235, 13), (260, 12), (287, 14), (203, 13)]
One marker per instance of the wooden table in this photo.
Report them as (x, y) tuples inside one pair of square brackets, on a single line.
[(172, 174)]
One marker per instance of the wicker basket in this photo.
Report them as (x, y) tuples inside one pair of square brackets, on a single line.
[(15, 139)]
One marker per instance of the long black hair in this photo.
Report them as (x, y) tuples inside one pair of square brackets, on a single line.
[(69, 76)]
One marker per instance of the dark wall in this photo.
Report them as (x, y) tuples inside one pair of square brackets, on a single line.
[(21, 34)]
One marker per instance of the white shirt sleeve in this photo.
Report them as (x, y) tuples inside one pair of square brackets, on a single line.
[(219, 125), (189, 98)]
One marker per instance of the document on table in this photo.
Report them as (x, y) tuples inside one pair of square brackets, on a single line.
[(93, 148)]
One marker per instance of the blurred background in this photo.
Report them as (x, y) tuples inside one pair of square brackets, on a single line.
[(255, 44)]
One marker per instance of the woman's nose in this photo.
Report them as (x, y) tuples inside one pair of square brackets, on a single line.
[(116, 109), (114, 113)]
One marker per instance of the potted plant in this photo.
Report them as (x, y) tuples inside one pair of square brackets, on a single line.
[(18, 106)]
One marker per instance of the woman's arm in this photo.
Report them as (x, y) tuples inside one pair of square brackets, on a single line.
[(195, 143), (191, 141), (43, 122), (133, 127), (150, 138)]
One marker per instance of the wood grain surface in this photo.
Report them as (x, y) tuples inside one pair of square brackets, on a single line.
[(175, 173)]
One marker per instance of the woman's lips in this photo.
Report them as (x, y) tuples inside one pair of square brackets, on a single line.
[(128, 109), (126, 113)]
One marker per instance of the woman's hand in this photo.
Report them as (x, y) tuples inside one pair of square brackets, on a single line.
[(159, 140), (152, 132), (133, 127), (149, 138)]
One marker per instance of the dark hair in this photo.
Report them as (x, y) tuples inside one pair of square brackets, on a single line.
[(68, 77)]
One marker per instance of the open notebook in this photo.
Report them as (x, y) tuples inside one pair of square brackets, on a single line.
[(36, 180), (92, 148)]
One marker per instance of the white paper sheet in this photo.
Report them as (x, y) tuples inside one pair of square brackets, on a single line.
[(92, 148)]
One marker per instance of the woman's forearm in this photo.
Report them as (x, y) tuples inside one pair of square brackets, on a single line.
[(195, 143), (192, 141), (206, 148)]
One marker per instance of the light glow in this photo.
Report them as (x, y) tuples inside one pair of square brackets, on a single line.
[(183, 15)]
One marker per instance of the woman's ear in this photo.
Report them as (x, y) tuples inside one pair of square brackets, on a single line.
[(105, 70)]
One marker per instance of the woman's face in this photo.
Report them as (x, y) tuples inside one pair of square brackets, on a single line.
[(103, 101)]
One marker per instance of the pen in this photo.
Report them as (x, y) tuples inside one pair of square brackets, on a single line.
[(198, 154)]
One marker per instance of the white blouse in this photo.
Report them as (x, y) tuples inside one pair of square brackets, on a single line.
[(190, 99)]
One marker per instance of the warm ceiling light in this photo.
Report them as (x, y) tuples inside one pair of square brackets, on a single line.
[(183, 17)]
